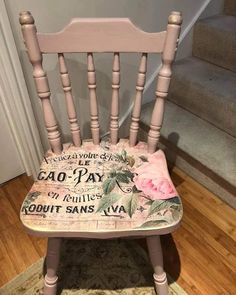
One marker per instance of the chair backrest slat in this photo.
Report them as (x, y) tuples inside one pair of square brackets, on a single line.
[(114, 125), (163, 80), (65, 79), (41, 80), (101, 35), (93, 99), (141, 78)]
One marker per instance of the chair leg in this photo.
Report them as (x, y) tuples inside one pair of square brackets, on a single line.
[(52, 262), (155, 254)]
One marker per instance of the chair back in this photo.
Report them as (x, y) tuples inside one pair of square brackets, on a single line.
[(94, 35)]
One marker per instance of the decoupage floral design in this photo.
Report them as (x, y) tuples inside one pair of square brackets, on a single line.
[(31, 197), (102, 188), (147, 182)]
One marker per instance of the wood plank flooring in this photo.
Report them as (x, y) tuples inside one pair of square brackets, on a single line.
[(200, 255)]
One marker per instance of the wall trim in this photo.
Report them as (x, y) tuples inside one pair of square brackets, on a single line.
[(15, 99)]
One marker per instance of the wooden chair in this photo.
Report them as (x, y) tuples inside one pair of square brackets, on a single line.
[(100, 190)]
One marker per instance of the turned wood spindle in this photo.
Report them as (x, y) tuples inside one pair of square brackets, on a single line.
[(65, 79), (163, 80), (35, 56), (114, 125), (156, 257), (93, 99), (52, 262), (141, 78)]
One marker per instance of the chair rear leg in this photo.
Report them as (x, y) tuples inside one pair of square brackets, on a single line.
[(155, 254), (52, 262)]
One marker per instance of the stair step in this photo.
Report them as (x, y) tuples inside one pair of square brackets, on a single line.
[(230, 7), (209, 147), (205, 90), (214, 40)]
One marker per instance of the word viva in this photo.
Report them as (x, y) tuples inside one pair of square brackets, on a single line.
[(79, 175)]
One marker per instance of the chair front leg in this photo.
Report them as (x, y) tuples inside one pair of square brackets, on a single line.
[(52, 262), (155, 254)]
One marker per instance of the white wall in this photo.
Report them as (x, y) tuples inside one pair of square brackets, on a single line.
[(51, 16)]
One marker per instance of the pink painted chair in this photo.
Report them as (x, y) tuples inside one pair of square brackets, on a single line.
[(102, 189)]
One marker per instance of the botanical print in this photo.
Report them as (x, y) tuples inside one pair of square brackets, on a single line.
[(106, 187), (145, 182)]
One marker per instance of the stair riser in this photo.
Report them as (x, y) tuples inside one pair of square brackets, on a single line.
[(230, 7), (207, 105), (215, 46)]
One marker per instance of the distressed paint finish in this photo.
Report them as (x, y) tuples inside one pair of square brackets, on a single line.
[(163, 80), (102, 190), (101, 35), (52, 261), (66, 84), (156, 257), (93, 99), (41, 81), (134, 126), (72, 186), (114, 125)]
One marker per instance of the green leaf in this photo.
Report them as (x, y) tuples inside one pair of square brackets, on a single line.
[(174, 200), (107, 201), (33, 195), (175, 215), (132, 204), (119, 157), (175, 207), (112, 173), (152, 223), (149, 202), (108, 185), (121, 177), (143, 158), (135, 190), (129, 174), (156, 206), (124, 155), (131, 161)]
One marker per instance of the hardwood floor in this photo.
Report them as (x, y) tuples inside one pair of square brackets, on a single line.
[(200, 255)]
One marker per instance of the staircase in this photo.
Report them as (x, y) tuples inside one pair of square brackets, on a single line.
[(199, 129)]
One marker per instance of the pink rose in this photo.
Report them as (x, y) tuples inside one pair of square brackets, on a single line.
[(152, 178)]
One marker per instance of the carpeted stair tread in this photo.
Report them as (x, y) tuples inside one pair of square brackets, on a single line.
[(214, 40), (201, 140), (205, 90)]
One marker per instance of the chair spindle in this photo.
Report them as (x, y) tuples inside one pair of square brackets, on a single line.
[(163, 80), (35, 56), (114, 125), (66, 84), (93, 99), (134, 126)]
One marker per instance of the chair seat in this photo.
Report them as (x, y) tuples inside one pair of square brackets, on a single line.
[(102, 191)]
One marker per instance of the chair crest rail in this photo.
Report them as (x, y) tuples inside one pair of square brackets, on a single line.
[(101, 35)]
